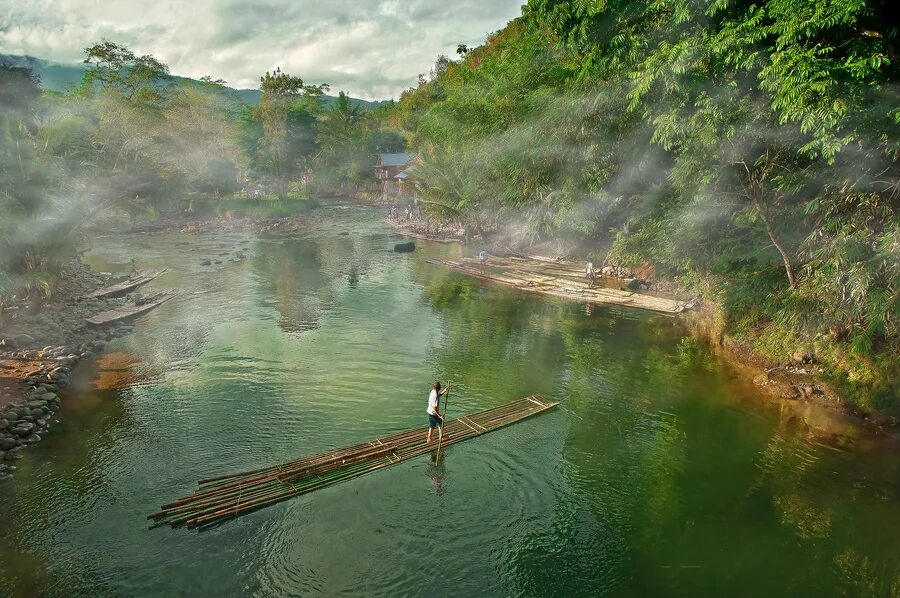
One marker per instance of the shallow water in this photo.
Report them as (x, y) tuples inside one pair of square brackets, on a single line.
[(661, 472)]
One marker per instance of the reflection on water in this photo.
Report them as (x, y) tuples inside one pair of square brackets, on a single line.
[(437, 472), (660, 473)]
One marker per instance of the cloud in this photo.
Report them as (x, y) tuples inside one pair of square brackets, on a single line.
[(372, 49)]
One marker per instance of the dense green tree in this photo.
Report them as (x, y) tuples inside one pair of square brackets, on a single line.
[(285, 125), (748, 151), (116, 67)]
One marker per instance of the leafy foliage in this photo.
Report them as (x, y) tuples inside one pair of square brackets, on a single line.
[(750, 150)]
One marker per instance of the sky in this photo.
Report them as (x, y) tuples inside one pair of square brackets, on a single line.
[(373, 49)]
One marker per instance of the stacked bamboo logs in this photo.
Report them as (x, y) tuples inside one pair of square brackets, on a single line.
[(224, 497), (560, 280)]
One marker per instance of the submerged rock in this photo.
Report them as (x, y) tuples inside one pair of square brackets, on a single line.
[(405, 247)]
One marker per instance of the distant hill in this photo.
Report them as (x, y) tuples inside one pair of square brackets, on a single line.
[(59, 77)]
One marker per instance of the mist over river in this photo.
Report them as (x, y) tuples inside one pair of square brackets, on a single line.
[(662, 472)]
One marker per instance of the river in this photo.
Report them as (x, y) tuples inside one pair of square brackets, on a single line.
[(661, 473)]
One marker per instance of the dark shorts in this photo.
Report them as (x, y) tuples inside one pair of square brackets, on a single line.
[(434, 421)]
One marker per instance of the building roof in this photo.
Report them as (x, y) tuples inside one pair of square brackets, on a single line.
[(402, 174), (400, 159)]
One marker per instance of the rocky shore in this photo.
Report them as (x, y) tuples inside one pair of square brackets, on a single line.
[(24, 421), (39, 348), (286, 224)]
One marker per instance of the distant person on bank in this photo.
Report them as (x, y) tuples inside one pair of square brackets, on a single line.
[(435, 419)]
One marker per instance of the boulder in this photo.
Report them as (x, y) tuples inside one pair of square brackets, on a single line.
[(34, 438), (206, 263), (24, 429), (4, 423), (8, 443), (407, 247), (802, 356), (13, 454)]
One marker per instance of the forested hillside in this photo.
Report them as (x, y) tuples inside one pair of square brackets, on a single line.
[(747, 151), (54, 76)]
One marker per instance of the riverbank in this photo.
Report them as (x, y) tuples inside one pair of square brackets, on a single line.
[(798, 380), (39, 348), (801, 379)]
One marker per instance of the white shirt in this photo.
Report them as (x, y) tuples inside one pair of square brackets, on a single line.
[(432, 403)]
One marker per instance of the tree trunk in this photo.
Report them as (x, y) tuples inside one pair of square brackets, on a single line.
[(776, 241)]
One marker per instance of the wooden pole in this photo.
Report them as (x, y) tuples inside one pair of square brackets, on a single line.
[(443, 419)]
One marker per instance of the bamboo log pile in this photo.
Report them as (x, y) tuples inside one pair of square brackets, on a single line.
[(223, 497), (560, 279)]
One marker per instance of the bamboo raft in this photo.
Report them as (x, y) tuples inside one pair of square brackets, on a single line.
[(125, 286), (129, 310), (227, 496), (429, 238), (559, 279)]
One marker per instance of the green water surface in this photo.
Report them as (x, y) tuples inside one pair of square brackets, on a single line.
[(661, 473)]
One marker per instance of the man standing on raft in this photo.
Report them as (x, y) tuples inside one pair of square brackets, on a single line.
[(435, 419)]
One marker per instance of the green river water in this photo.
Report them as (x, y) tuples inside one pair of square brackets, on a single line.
[(661, 473)]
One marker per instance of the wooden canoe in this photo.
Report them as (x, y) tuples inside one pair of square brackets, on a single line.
[(125, 286), (129, 310)]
